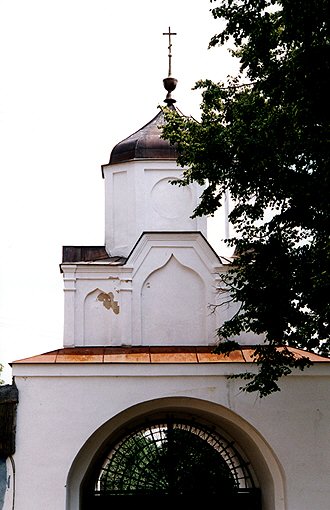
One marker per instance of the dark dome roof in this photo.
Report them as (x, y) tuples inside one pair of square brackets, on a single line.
[(145, 143)]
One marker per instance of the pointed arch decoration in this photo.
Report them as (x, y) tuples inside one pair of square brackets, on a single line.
[(100, 311), (173, 299)]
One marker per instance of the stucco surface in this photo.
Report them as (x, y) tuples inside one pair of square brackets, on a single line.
[(63, 407)]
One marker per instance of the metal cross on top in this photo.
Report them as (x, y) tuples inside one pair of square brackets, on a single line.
[(169, 33)]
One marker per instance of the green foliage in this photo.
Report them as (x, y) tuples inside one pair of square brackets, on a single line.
[(128, 469), (264, 136)]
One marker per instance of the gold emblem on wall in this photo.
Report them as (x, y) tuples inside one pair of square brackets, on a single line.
[(108, 301)]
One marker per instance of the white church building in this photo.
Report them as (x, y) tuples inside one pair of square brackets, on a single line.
[(135, 404)]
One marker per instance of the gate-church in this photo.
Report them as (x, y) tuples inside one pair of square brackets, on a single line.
[(136, 405)]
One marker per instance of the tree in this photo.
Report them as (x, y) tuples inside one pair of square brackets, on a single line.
[(264, 137)]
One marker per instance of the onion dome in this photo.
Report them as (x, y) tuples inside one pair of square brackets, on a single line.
[(145, 143)]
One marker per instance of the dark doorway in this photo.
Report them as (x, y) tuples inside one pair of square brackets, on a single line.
[(172, 460)]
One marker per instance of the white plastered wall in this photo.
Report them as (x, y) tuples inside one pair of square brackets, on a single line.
[(66, 411), (139, 197), (166, 287), (90, 319), (166, 294), (177, 305)]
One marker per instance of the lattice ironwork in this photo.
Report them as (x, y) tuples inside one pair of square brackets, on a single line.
[(173, 458)]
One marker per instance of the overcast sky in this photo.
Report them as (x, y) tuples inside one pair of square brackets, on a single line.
[(77, 77)]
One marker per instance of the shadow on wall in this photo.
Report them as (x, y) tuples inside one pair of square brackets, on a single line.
[(8, 406), (3, 481)]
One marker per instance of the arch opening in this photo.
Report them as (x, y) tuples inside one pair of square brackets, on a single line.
[(171, 456), (258, 467)]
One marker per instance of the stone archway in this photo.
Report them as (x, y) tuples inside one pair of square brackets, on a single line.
[(263, 468)]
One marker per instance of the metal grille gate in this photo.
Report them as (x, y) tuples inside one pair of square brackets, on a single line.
[(175, 460)]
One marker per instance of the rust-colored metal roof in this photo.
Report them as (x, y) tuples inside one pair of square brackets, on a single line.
[(145, 143), (152, 355)]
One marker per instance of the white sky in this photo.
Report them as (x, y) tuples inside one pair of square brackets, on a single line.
[(77, 76)]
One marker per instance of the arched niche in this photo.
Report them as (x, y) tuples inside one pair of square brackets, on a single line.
[(100, 316), (263, 463), (174, 306), (172, 202)]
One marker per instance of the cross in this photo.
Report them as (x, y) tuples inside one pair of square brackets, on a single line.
[(169, 33)]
